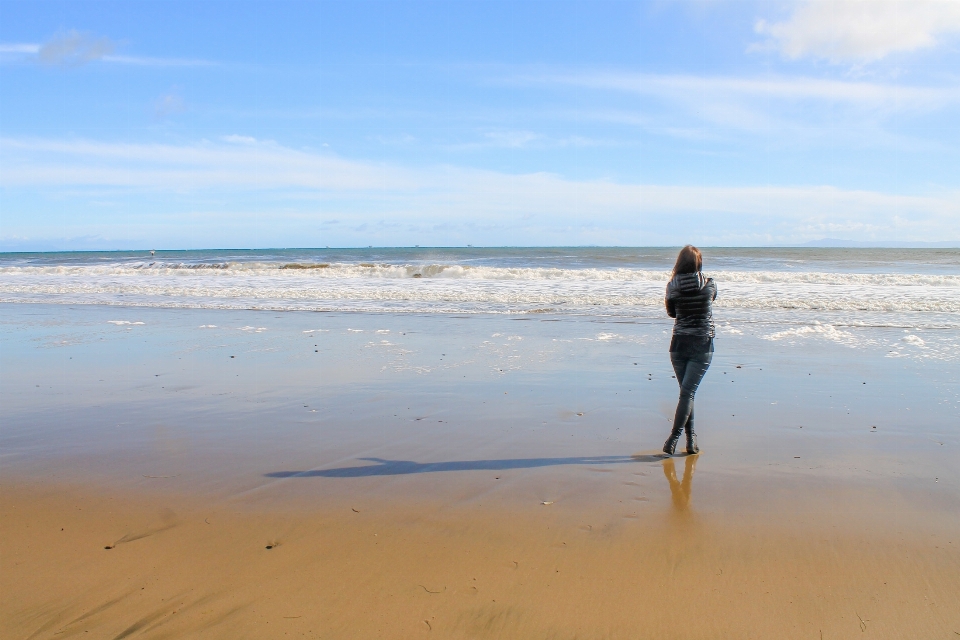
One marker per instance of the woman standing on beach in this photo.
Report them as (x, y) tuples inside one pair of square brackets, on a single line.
[(689, 299)]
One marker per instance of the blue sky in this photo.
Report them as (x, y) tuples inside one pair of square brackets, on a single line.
[(284, 124)]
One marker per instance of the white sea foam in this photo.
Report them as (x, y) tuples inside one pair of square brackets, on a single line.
[(543, 296), (793, 304), (820, 330), (729, 330), (455, 288), (605, 336)]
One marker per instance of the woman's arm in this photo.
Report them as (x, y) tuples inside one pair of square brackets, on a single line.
[(668, 302)]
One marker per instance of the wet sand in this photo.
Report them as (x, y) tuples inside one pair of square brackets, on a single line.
[(180, 568), (522, 499)]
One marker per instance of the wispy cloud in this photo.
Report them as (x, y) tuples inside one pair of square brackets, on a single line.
[(359, 192), (775, 104), (398, 139), (702, 88), (74, 48), (242, 162), (506, 139), (234, 138), (510, 139), (13, 47), (141, 61), (860, 31)]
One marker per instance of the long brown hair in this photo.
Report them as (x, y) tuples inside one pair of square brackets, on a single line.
[(688, 261)]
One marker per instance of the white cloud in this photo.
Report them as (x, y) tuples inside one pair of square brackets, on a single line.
[(861, 30)]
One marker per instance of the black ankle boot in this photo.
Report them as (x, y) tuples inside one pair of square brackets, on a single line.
[(692, 442), (670, 446)]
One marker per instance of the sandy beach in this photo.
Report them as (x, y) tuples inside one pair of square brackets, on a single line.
[(471, 477), (365, 320)]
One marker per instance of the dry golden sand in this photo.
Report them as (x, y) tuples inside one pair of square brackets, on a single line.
[(186, 567)]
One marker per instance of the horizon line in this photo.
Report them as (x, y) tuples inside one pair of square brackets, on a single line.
[(828, 244)]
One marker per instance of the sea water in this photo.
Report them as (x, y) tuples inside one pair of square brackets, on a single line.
[(905, 302)]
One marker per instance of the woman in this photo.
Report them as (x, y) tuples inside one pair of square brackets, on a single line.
[(689, 299)]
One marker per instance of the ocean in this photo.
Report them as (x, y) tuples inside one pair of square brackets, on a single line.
[(905, 302)]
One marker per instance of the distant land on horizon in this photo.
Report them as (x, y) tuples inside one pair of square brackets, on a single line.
[(883, 244), (823, 243)]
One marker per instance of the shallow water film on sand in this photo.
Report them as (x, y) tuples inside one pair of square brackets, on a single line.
[(465, 444)]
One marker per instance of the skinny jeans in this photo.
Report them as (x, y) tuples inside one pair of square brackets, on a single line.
[(690, 369)]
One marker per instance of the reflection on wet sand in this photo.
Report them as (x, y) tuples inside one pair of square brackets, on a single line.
[(680, 489)]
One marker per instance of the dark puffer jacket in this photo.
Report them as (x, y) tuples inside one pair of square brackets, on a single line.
[(690, 299)]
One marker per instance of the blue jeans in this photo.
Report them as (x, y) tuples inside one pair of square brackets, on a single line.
[(690, 369)]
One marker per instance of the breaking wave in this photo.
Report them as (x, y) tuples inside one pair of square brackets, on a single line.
[(325, 270)]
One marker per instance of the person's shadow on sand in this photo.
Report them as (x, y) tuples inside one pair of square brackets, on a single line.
[(404, 467)]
